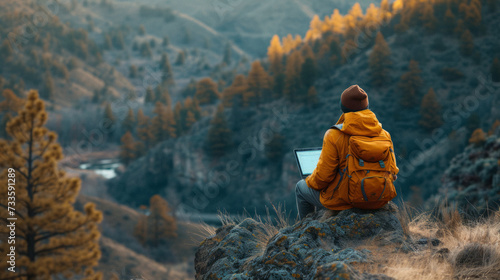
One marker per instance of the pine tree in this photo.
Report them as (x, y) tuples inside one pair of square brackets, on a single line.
[(380, 61), (145, 49), (206, 91), (428, 18), (293, 87), (179, 116), (495, 70), (163, 96), (308, 72), (312, 96), (258, 85), (52, 238), (128, 149), (144, 133), (158, 226), (150, 97), (450, 22), (108, 114), (219, 134), (133, 72), (410, 84), (129, 122), (430, 111), (181, 58), (163, 125), (275, 148), (467, 43), (275, 55), (227, 54), (11, 103), (237, 88), (48, 90), (167, 76)]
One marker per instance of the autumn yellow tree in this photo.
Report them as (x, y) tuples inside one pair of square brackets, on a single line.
[(258, 85), (52, 238), (380, 61), (158, 225), (478, 137), (275, 55), (430, 111), (236, 89)]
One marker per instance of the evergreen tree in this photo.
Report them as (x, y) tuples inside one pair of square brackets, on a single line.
[(380, 61), (410, 84), (237, 88), (428, 19), (145, 49), (450, 22), (128, 148), (129, 122), (258, 85), (219, 134), (150, 97), (144, 133), (227, 54), (133, 72), (206, 91), (179, 116), (495, 70), (108, 113), (308, 72), (275, 55), (293, 87), (52, 238), (158, 226), (166, 69), (312, 96), (48, 90), (163, 96), (430, 111), (467, 43), (181, 58), (163, 125), (275, 149)]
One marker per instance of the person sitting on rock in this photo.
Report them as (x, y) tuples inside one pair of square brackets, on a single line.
[(357, 165)]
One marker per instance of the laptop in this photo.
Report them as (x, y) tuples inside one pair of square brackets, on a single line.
[(307, 159)]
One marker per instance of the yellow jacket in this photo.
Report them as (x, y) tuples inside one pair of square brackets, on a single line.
[(333, 156)]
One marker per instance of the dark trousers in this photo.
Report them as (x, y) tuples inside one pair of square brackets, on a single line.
[(307, 199)]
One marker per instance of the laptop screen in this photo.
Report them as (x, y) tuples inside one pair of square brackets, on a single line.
[(307, 160)]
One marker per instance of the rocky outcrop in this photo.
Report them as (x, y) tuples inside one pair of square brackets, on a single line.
[(318, 247), (472, 180)]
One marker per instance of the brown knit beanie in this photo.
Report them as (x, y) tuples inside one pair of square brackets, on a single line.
[(353, 99)]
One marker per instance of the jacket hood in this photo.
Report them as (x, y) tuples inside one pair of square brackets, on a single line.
[(363, 123)]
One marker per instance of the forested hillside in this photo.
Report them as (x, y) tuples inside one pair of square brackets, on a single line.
[(431, 72)]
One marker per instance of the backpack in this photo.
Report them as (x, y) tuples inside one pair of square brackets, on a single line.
[(370, 169)]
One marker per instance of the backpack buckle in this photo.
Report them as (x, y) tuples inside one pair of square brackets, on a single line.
[(361, 162), (382, 164)]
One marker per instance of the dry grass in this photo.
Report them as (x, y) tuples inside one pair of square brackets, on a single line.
[(468, 250)]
